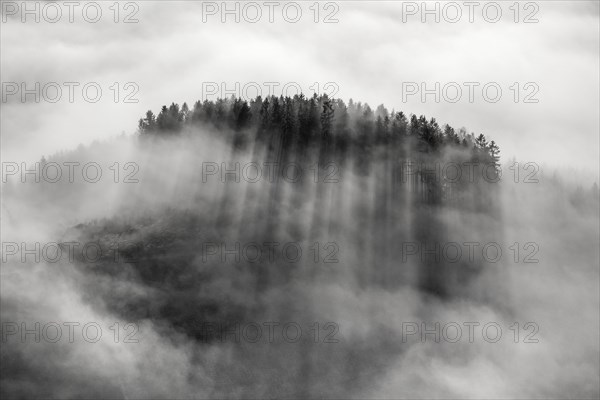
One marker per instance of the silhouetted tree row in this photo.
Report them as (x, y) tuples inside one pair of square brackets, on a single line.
[(303, 121)]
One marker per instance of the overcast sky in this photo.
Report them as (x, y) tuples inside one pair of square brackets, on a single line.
[(374, 53)]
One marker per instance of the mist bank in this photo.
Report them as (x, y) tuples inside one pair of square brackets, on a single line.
[(387, 216)]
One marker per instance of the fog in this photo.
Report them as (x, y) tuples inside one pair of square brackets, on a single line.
[(373, 293)]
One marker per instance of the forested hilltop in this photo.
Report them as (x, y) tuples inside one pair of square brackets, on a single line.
[(330, 123), (392, 185)]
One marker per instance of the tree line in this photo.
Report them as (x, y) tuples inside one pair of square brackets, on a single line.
[(304, 121)]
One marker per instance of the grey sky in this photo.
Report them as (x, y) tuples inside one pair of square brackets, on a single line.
[(369, 54)]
